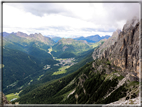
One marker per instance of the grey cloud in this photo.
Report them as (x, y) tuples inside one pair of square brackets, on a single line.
[(115, 13), (39, 9), (122, 11)]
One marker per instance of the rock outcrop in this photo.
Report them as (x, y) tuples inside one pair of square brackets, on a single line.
[(125, 51), (4, 99)]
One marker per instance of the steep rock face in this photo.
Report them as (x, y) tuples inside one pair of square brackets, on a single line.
[(125, 51), (110, 41)]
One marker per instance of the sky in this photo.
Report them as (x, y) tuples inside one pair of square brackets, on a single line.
[(67, 19)]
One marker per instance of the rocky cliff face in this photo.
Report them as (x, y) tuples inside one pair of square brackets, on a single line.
[(125, 51)]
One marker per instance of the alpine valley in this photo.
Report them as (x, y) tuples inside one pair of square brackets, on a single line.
[(85, 70)]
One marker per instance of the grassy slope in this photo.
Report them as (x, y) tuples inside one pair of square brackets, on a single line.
[(61, 70)]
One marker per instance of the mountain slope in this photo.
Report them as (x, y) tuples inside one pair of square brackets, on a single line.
[(35, 44), (17, 66)]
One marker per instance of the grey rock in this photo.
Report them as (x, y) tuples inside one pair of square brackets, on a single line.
[(125, 52)]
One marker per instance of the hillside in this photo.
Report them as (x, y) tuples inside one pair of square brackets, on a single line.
[(17, 68), (35, 45), (111, 77)]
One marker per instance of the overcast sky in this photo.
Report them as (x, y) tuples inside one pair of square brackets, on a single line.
[(67, 19)]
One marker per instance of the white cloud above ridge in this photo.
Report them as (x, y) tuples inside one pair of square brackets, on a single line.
[(65, 21)]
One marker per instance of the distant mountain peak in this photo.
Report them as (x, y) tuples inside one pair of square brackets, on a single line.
[(21, 34), (92, 38), (32, 37), (36, 34)]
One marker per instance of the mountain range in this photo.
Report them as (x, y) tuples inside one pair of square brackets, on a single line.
[(93, 38), (89, 39)]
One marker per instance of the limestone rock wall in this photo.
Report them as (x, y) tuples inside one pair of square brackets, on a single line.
[(125, 51)]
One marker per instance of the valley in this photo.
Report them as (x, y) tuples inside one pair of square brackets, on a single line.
[(50, 67)]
